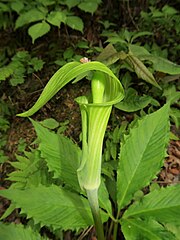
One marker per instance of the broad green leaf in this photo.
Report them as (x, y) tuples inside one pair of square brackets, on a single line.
[(138, 50), (109, 55), (38, 30), (162, 65), (159, 64), (114, 92), (141, 70), (107, 52), (17, 6), (32, 15), (137, 229), (18, 232), (169, 10), (75, 23), (60, 153), (88, 6), (53, 206), (55, 18), (142, 154), (132, 102), (163, 205), (50, 123)]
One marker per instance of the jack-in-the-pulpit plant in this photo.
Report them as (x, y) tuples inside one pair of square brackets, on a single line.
[(56, 183), (95, 111)]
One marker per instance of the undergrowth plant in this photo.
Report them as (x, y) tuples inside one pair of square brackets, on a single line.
[(4, 126), (40, 16), (21, 64), (59, 185)]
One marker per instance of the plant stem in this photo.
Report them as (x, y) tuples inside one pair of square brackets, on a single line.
[(116, 227), (115, 231), (94, 205)]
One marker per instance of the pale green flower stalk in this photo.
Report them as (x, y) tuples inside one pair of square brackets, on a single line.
[(95, 113)]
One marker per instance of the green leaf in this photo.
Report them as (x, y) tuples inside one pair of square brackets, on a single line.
[(32, 15), (171, 94), (37, 63), (68, 53), (5, 72), (4, 7), (17, 6), (162, 65), (137, 229), (52, 206), (169, 10), (163, 205), (138, 50), (116, 39), (18, 232), (50, 123), (159, 64), (55, 18), (106, 53), (142, 154), (8, 211), (89, 6), (16, 80), (75, 23), (141, 70), (132, 102), (60, 153), (38, 30)]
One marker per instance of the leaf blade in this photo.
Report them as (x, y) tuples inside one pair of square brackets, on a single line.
[(142, 152), (60, 153), (162, 204), (52, 206), (75, 23), (17, 231), (141, 70), (135, 229), (38, 30)]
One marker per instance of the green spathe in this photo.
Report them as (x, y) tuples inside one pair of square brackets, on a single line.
[(94, 123)]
